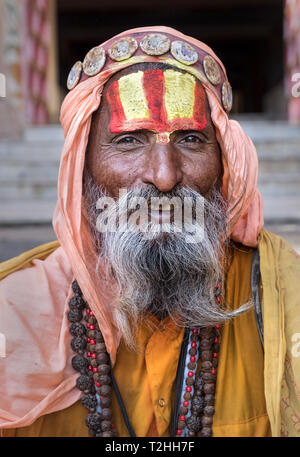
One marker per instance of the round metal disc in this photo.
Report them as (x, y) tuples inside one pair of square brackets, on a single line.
[(184, 52), (211, 70), (94, 61), (74, 75), (123, 49), (227, 96), (155, 44)]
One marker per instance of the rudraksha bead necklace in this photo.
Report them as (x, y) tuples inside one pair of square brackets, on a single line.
[(194, 413)]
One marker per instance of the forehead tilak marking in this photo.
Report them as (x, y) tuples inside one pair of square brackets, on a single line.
[(162, 101)]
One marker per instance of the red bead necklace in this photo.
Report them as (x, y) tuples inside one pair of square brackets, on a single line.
[(195, 409)]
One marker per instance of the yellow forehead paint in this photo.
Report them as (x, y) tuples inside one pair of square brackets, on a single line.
[(179, 95), (158, 101), (132, 96)]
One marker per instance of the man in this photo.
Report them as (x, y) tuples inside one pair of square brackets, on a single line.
[(156, 312)]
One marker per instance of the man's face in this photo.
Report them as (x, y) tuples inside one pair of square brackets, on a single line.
[(153, 136), (164, 154)]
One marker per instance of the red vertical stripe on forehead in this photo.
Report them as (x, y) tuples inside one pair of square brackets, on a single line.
[(199, 114), (154, 87), (117, 112)]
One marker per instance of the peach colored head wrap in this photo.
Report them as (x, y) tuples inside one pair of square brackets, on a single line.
[(50, 385)]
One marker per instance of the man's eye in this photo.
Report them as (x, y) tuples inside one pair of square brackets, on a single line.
[(191, 139), (127, 140)]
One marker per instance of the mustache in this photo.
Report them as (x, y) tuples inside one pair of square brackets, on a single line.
[(180, 202), (147, 192)]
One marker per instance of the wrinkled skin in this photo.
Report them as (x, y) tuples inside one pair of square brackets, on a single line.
[(134, 159)]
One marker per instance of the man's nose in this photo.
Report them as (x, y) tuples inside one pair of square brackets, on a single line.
[(163, 167)]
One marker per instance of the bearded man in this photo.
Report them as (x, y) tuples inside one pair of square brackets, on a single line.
[(165, 309)]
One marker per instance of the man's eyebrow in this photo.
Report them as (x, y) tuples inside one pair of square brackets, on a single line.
[(128, 132), (191, 131)]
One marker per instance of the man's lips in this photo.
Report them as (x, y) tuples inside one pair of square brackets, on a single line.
[(161, 216)]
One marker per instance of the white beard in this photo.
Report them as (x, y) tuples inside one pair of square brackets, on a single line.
[(164, 274)]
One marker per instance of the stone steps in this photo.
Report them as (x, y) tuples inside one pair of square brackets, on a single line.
[(28, 174), (283, 183)]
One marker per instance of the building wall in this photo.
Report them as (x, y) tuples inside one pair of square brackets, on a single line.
[(28, 60)]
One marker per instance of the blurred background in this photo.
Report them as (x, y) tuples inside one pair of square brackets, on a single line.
[(257, 40)]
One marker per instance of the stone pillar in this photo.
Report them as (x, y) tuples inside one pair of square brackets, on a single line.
[(53, 97), (35, 58)]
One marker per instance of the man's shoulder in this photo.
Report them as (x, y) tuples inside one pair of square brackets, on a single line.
[(25, 259), (35, 283), (277, 250), (280, 272)]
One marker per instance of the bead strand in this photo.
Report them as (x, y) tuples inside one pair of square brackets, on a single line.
[(187, 393), (94, 380), (209, 347), (193, 421), (209, 379)]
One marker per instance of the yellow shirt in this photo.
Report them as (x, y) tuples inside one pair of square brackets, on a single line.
[(148, 376)]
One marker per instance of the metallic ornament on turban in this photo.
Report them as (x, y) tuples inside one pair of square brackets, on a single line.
[(74, 75), (227, 96), (211, 70), (155, 44), (184, 52), (94, 61), (123, 49)]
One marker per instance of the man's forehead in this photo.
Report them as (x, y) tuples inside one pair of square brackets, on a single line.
[(156, 99)]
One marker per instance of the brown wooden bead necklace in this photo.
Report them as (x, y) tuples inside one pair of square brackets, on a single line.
[(195, 397)]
